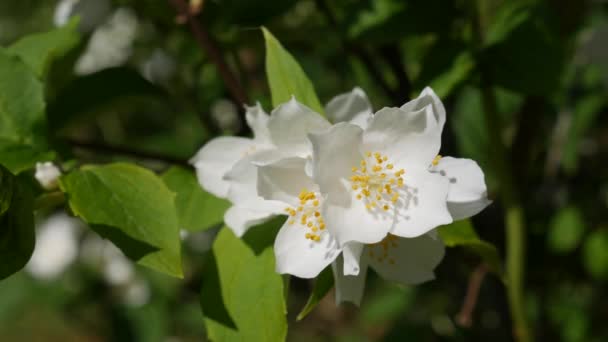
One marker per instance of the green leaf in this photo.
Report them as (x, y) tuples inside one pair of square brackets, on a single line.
[(518, 43), (17, 236), (196, 209), (133, 208), (387, 21), (18, 158), (595, 254), (462, 234), (38, 50), (86, 94), (286, 77), (22, 118), (447, 64), (323, 284), (242, 295), (566, 230)]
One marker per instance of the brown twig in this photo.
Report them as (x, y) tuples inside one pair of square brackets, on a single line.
[(119, 150), (464, 317), (211, 48)]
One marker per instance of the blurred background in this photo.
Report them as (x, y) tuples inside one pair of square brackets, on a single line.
[(139, 87)]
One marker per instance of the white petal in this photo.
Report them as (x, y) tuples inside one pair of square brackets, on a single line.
[(301, 257), (243, 181), (352, 222), (349, 288), (290, 124), (422, 206), (284, 180), (427, 97), (335, 152), (460, 211), (239, 218), (257, 119), (405, 137), (408, 261), (467, 193), (215, 159), (353, 107), (351, 254)]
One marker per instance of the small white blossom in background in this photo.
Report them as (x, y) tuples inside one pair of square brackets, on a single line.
[(117, 270), (225, 113), (91, 13), (56, 247), (111, 43), (47, 174), (159, 67)]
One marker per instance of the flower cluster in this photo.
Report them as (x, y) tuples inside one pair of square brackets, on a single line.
[(360, 190)]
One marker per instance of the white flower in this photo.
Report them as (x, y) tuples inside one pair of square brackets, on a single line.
[(47, 174), (226, 166), (408, 261), (56, 247), (388, 178), (304, 246)]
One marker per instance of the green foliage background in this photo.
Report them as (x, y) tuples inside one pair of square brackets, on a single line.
[(525, 84)]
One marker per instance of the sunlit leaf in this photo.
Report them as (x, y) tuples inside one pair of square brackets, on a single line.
[(196, 208), (133, 208), (286, 77), (242, 295), (22, 118), (39, 50)]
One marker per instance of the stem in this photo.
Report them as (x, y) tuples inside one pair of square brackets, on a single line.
[(515, 271), (465, 316), (514, 215)]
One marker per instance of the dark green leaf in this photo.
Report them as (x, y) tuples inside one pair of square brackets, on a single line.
[(391, 20), (39, 50), (446, 65), (242, 295), (525, 55), (323, 284), (286, 77), (245, 12), (16, 224), (133, 208), (87, 93), (196, 208), (462, 234)]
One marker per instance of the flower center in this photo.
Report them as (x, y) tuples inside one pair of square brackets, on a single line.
[(380, 250), (377, 182), (307, 214)]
